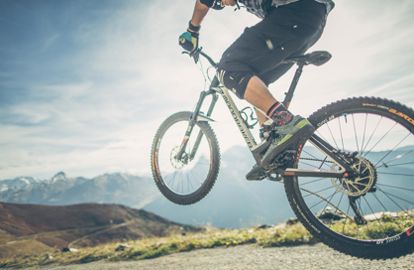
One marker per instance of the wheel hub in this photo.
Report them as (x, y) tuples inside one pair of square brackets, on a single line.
[(178, 163), (363, 181)]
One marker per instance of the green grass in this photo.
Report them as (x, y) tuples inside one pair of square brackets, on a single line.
[(283, 235)]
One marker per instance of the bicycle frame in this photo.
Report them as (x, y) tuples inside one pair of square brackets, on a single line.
[(216, 90)]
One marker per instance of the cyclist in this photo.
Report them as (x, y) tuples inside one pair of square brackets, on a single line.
[(288, 28)]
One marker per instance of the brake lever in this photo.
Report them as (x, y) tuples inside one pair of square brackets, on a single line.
[(195, 55)]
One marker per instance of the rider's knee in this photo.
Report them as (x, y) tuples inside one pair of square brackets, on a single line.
[(235, 81)]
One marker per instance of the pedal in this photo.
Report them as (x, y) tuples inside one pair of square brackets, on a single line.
[(257, 173)]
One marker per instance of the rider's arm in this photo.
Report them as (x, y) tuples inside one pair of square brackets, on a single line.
[(200, 11)]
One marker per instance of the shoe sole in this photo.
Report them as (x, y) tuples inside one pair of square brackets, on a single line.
[(306, 129)]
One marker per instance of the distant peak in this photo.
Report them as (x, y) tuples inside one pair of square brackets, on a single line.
[(59, 176)]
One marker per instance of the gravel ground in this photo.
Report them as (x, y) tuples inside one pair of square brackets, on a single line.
[(252, 257)]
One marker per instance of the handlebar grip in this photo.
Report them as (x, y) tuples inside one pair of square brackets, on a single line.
[(186, 44)]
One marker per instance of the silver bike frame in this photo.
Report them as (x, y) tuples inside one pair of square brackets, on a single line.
[(198, 116), (255, 149)]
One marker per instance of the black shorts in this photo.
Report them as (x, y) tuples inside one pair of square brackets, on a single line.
[(286, 31)]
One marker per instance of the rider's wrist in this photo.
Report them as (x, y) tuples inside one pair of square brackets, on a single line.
[(193, 28)]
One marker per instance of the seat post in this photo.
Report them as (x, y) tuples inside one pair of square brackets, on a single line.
[(292, 88)]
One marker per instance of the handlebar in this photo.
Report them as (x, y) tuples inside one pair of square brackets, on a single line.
[(196, 56)]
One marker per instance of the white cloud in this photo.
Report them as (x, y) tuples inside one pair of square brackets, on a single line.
[(133, 76)]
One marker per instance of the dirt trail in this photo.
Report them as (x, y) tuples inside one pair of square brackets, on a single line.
[(317, 257)]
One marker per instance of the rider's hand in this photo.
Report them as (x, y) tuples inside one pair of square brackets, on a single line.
[(189, 39)]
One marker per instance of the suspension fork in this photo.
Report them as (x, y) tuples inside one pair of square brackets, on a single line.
[(200, 133), (194, 119)]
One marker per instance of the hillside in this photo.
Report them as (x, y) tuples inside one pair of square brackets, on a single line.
[(26, 229)]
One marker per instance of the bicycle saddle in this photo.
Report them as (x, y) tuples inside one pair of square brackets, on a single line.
[(316, 58)]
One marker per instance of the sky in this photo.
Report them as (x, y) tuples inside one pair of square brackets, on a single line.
[(85, 84)]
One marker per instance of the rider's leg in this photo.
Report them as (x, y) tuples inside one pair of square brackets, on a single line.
[(258, 95), (249, 64), (270, 76), (288, 128)]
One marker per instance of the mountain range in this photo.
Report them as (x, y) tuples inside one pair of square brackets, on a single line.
[(233, 202), (62, 190)]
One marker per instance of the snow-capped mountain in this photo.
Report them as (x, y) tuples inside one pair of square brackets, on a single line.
[(62, 190)]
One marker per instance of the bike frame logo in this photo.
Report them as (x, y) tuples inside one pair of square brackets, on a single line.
[(248, 137), (403, 115)]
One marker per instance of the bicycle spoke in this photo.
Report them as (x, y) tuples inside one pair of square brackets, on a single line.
[(316, 204), (385, 208), (397, 187), (385, 135), (370, 208), (329, 201), (171, 179), (340, 130), (322, 190), (313, 181), (360, 207), (346, 220), (398, 197), (191, 181), (181, 185), (389, 163), (365, 131), (320, 135), (317, 195), (340, 200), (390, 151), (395, 165), (372, 134), (333, 138), (355, 132), (400, 174), (402, 209)]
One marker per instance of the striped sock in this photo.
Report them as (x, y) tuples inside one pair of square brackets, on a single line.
[(279, 114)]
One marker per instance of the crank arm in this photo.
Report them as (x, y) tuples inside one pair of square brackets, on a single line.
[(312, 173)]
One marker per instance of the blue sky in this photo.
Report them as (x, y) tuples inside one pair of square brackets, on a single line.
[(84, 84)]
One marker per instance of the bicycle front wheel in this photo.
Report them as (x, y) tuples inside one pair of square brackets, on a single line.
[(189, 178), (369, 214)]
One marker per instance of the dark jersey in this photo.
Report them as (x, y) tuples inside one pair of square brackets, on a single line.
[(261, 7)]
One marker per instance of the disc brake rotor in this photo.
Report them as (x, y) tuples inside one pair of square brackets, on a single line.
[(362, 183), (178, 163)]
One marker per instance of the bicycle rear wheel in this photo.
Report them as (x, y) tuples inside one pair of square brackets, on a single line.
[(188, 179), (372, 214)]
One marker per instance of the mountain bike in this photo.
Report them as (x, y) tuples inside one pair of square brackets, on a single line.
[(350, 183)]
